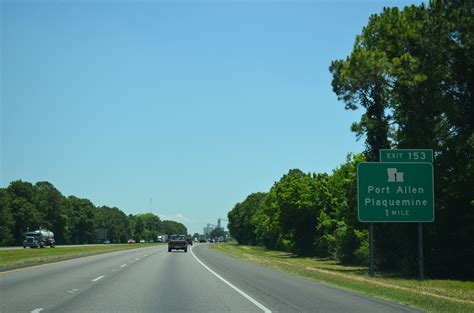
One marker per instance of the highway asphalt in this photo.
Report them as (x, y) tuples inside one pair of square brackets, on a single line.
[(151, 279)]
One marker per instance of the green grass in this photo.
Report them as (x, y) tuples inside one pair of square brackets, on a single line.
[(432, 295), (23, 257)]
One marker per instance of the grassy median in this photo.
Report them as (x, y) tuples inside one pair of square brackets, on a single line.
[(431, 295), (11, 259)]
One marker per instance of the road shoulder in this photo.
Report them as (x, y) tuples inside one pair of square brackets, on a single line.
[(284, 292)]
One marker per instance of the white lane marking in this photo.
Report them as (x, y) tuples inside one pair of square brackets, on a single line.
[(246, 296), (72, 290), (146, 254), (123, 265), (137, 259), (37, 310), (98, 278)]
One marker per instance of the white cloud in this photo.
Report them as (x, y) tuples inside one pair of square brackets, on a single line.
[(178, 217)]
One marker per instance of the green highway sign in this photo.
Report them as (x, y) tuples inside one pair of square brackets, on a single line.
[(406, 155), (395, 192)]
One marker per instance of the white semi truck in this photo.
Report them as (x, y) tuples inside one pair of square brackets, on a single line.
[(39, 239), (162, 238)]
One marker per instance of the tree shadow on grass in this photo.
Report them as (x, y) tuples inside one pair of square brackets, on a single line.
[(327, 264)]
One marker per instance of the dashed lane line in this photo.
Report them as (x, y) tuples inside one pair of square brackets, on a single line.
[(98, 278)]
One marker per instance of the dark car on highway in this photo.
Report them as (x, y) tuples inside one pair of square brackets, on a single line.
[(177, 242)]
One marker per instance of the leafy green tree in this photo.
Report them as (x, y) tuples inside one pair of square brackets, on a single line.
[(152, 225), (328, 213), (449, 241), (139, 228), (115, 221), (7, 223), (343, 186), (360, 80), (351, 244), (173, 227), (24, 213), (50, 202), (217, 232), (295, 197), (267, 223), (240, 219), (20, 189), (350, 237), (131, 226), (82, 214)]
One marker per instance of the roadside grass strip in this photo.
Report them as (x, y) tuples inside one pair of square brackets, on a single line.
[(15, 259), (432, 295)]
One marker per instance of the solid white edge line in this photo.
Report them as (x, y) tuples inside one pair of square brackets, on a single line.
[(37, 310), (246, 296), (97, 278)]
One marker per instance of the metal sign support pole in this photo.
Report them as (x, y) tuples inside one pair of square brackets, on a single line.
[(372, 250), (421, 270)]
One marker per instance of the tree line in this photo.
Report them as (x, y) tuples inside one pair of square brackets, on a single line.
[(308, 214), (24, 206), (411, 74)]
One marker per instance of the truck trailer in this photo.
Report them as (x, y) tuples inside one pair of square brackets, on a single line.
[(162, 238), (39, 239)]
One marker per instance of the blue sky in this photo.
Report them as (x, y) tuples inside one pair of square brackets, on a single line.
[(193, 104)]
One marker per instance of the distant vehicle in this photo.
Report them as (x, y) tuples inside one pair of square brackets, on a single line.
[(189, 240), (162, 238), (202, 239), (151, 241), (39, 239), (178, 242), (107, 242), (131, 241), (142, 241)]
